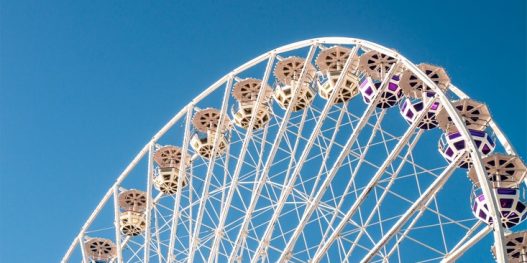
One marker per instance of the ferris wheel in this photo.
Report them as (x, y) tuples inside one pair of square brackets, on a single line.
[(324, 150)]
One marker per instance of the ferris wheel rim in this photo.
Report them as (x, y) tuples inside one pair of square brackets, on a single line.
[(285, 48)]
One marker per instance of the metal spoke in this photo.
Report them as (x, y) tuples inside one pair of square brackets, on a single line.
[(181, 174), (373, 182), (420, 203), (384, 194), (287, 188), (263, 178)]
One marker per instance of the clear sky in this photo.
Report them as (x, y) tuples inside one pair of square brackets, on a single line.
[(85, 84)]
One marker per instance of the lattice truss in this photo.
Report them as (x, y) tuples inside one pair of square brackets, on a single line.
[(259, 168)]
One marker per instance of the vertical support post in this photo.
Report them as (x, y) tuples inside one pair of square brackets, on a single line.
[(148, 212), (181, 174), (210, 168), (158, 241), (83, 249), (242, 235), (264, 242), (235, 178), (117, 223), (190, 200)]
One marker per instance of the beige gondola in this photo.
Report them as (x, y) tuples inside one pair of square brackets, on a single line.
[(207, 122), (288, 73), (246, 93), (168, 172), (414, 87), (331, 62), (132, 221), (475, 114), (100, 249)]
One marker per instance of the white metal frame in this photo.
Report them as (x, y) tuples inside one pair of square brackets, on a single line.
[(278, 138), (498, 231)]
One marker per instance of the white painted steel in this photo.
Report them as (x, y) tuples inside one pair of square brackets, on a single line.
[(117, 214), (247, 138), (385, 193), (364, 119), (287, 189), (182, 173), (148, 211), (373, 182), (476, 160), (420, 204)]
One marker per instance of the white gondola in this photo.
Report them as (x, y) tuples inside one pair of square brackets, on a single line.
[(451, 145), (389, 97)]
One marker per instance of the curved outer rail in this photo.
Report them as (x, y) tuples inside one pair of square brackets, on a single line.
[(305, 43)]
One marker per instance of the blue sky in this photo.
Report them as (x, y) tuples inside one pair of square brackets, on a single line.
[(85, 84)]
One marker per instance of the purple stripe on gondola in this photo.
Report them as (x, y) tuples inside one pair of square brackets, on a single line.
[(477, 133), (454, 135), (506, 191)]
